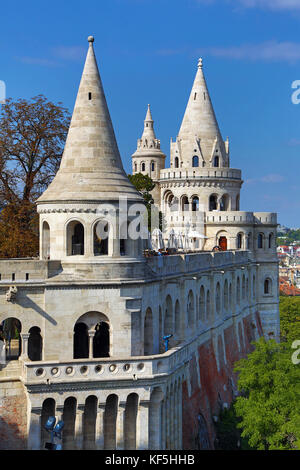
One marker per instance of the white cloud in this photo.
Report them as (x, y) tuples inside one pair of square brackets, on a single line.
[(274, 5), (69, 52), (269, 51), (270, 178)]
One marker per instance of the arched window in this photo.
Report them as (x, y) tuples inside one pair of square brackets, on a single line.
[(239, 241), (249, 241), (69, 417), (89, 423), (195, 204), (267, 286), (110, 422), (152, 166), (218, 298), (237, 203), (216, 161), (35, 344), (48, 409), (135, 167), (195, 162), (143, 166), (176, 162), (75, 238), (130, 421), (213, 204), (260, 240), (148, 333), (46, 240)]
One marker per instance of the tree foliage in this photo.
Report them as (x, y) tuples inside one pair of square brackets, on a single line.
[(32, 137), (269, 406)]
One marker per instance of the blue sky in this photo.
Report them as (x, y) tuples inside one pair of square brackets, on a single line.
[(147, 52)]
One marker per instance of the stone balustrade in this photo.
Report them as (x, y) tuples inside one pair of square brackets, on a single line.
[(203, 173)]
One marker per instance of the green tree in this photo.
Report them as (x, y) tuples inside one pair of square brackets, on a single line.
[(144, 184), (289, 318), (269, 405)]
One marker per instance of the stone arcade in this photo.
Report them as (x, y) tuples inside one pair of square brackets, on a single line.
[(91, 314)]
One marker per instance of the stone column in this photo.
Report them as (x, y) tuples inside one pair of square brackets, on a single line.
[(24, 354), (143, 426), (155, 421), (120, 426), (91, 337), (99, 438), (34, 434), (79, 427)]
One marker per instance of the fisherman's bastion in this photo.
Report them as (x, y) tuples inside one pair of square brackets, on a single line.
[(133, 345)]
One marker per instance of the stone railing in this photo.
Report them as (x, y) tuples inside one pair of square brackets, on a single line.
[(204, 173), (107, 369), (197, 262)]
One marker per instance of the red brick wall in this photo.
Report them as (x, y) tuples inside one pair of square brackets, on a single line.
[(216, 385), (13, 416)]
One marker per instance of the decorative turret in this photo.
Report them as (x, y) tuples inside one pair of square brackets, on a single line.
[(80, 211), (148, 158), (199, 142)]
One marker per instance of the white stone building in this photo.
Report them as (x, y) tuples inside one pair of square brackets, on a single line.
[(91, 313)]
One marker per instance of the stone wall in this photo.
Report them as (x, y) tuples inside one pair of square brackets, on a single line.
[(13, 416)]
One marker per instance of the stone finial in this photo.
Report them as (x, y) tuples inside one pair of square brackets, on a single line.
[(91, 39), (200, 63)]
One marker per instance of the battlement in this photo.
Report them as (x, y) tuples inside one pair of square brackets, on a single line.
[(241, 217)]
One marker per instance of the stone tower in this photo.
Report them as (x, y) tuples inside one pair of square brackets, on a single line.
[(90, 177)]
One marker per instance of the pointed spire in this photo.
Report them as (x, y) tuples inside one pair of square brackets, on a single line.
[(199, 120), (148, 142), (91, 166)]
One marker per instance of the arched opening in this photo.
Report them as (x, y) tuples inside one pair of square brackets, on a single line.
[(130, 421), (46, 240), (213, 202), (176, 162), (202, 304), (110, 420), (35, 344), (249, 241), (160, 331), (168, 323), (208, 305), (267, 286), (11, 328), (148, 333), (177, 318), (69, 417), (156, 431), (195, 204), (101, 237), (81, 341), (143, 166), (218, 298), (75, 238), (238, 291), (216, 161), (89, 423), (191, 309), (260, 241), (224, 202), (195, 162), (226, 295), (48, 409), (271, 240), (101, 340), (185, 204)]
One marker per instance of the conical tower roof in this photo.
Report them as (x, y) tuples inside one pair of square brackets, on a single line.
[(148, 144), (91, 168), (199, 120)]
